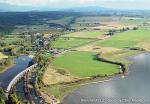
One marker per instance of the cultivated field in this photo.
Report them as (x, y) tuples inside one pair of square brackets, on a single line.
[(70, 42), (127, 39), (83, 64), (11, 40), (86, 34), (80, 63), (63, 21), (107, 22)]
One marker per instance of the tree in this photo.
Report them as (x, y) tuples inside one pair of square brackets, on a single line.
[(2, 96), (2, 101), (135, 28), (14, 99), (111, 32)]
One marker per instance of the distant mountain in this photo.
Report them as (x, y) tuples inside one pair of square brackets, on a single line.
[(8, 7), (89, 9), (3, 10)]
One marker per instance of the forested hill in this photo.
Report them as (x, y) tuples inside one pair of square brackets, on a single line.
[(10, 19)]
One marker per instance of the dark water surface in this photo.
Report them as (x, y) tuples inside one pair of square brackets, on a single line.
[(133, 89), (21, 64)]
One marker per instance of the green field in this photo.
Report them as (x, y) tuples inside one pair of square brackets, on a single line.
[(126, 39), (63, 21), (83, 64), (88, 22), (11, 40), (85, 34), (70, 42)]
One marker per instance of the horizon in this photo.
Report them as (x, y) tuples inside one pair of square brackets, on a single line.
[(47, 5)]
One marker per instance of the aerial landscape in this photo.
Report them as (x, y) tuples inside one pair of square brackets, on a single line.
[(74, 52)]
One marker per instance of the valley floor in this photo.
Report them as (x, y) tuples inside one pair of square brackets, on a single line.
[(78, 65)]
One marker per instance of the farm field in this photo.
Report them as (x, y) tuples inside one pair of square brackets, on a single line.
[(83, 64), (11, 40), (127, 39), (86, 34), (70, 42), (63, 21), (109, 22)]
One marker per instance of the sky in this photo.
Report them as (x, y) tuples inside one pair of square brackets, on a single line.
[(117, 4)]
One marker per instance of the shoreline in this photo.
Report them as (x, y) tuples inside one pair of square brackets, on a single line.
[(82, 83), (7, 68), (99, 79), (106, 79), (13, 63)]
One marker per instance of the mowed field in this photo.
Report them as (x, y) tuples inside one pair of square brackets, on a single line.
[(126, 39), (86, 34), (70, 42), (83, 64)]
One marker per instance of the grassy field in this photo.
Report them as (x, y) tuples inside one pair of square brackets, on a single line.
[(107, 22), (62, 21), (83, 64), (85, 34), (126, 39), (110, 22), (70, 42), (12, 40)]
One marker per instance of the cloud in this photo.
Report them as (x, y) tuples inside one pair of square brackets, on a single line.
[(74, 3), (48, 2), (26, 2)]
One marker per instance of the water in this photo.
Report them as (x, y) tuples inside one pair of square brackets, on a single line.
[(133, 89), (21, 64)]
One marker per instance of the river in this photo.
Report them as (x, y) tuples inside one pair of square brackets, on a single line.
[(21, 63), (133, 89)]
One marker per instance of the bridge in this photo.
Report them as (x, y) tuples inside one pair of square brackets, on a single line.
[(17, 78)]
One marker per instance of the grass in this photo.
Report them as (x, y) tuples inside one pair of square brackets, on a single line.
[(11, 40), (85, 34), (83, 64), (63, 21), (89, 22), (59, 91), (121, 56), (70, 42), (126, 39)]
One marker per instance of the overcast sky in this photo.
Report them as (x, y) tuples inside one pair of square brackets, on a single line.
[(121, 4)]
